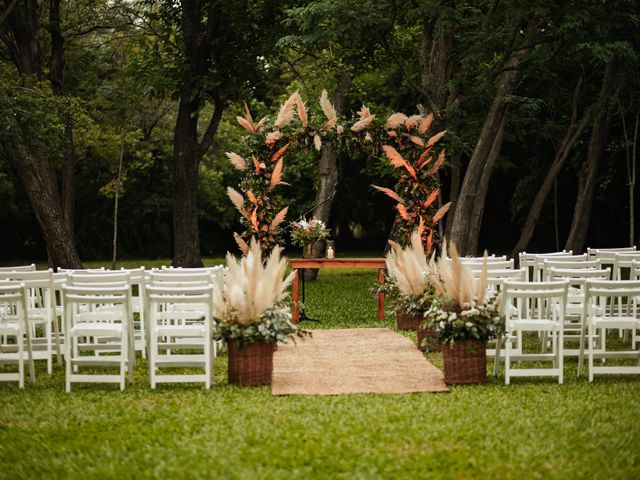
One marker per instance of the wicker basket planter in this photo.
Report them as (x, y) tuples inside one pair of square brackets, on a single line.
[(407, 321), (250, 365), (431, 344), (465, 362)]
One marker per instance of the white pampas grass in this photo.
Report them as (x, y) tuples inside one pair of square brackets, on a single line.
[(287, 111), (237, 199), (366, 119), (302, 110), (329, 111), (395, 120), (237, 161), (252, 286), (457, 282), (272, 138), (409, 266), (317, 142)]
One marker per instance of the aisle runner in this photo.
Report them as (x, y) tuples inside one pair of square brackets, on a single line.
[(358, 360)]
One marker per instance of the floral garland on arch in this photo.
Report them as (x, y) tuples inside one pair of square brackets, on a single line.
[(405, 141)]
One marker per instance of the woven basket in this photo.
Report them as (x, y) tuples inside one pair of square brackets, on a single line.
[(431, 344), (406, 321), (250, 365), (465, 362)]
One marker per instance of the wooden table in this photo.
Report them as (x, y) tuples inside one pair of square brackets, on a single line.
[(299, 263)]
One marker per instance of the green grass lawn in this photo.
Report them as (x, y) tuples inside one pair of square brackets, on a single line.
[(531, 429)]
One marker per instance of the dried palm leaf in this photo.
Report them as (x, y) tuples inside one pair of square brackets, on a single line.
[(278, 219), (441, 212), (403, 211), (433, 196), (251, 197), (276, 176), (389, 192), (279, 153), (237, 161), (397, 161), (438, 163), (302, 110), (244, 248), (433, 140), (425, 124)]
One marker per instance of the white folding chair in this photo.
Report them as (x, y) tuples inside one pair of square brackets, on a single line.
[(528, 260), (595, 253), (539, 263), (533, 308), (97, 321), (19, 268), (571, 265), (43, 322), (15, 331), (179, 334), (574, 319), (624, 261), (491, 265), (610, 305), (112, 278)]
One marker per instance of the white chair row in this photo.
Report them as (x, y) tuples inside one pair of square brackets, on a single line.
[(549, 310), (100, 329)]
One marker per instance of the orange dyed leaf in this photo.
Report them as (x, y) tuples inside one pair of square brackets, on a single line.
[(397, 161), (279, 153), (256, 163), (402, 211), (433, 140), (276, 176), (441, 212), (426, 123), (431, 198), (434, 168)]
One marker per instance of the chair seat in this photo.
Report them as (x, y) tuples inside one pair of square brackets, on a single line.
[(533, 325), (616, 322), (90, 329), (191, 330)]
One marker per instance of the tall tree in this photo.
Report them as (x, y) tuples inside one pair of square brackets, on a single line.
[(24, 144)]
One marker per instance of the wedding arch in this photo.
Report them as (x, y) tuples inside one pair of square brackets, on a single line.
[(406, 141)]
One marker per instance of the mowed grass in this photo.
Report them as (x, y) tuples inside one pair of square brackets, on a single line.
[(534, 428)]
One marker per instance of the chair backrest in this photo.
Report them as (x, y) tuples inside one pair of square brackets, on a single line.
[(495, 278), (106, 278), (19, 268), (613, 297), (538, 263), (623, 261), (489, 258), (179, 278), (40, 288), (595, 253), (13, 299), (567, 265), (95, 296), (81, 270), (495, 265), (535, 300), (527, 260), (168, 302)]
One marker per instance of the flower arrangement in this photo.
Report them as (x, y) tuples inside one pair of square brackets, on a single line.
[(410, 281), (304, 231), (460, 309), (414, 154), (250, 306)]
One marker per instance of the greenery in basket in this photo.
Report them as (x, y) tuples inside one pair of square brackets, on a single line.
[(250, 307), (304, 231), (409, 285), (461, 310)]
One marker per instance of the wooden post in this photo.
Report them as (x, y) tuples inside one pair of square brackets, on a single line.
[(381, 296), (295, 314)]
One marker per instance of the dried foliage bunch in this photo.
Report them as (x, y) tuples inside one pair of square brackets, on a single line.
[(250, 307), (304, 231), (262, 166), (410, 281), (460, 309), (412, 149)]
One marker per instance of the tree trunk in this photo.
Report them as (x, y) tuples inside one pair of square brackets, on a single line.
[(573, 133), (37, 176), (475, 222), (59, 89), (328, 169), (464, 232), (589, 173), (186, 251)]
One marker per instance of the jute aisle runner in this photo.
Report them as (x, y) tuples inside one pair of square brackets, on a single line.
[(358, 360)]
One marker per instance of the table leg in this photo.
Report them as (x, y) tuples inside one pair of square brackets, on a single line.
[(295, 313), (381, 296)]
